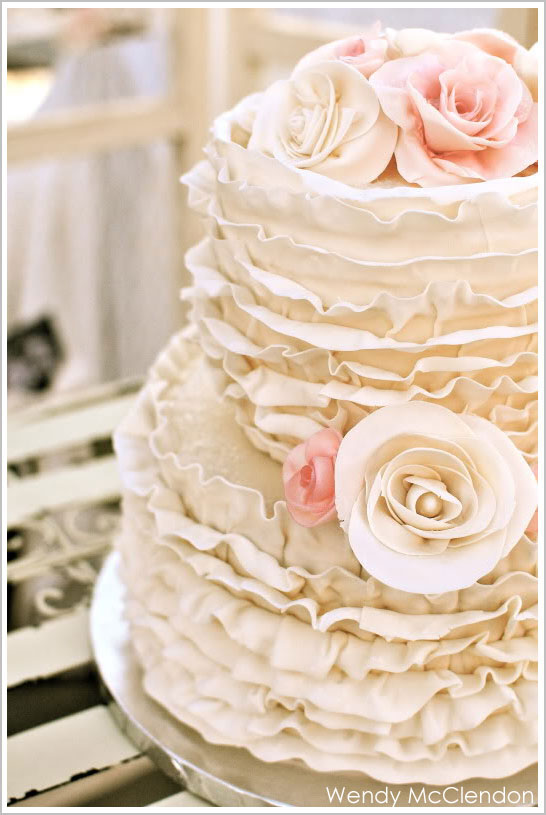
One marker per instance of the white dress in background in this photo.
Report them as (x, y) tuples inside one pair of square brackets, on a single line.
[(92, 239)]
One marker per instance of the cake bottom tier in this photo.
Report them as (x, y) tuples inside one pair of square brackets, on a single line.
[(261, 634)]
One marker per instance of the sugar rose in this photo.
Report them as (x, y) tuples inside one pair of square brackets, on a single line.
[(308, 478), (463, 114), (366, 52), (502, 45), (326, 118), (431, 500)]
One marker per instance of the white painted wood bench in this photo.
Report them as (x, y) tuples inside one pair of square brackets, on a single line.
[(64, 748)]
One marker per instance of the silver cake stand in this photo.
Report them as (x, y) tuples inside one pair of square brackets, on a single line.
[(225, 776)]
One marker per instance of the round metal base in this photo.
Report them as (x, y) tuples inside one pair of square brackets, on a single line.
[(226, 776)]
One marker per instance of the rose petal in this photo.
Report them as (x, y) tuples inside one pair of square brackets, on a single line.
[(526, 66), (437, 487), (310, 519), (525, 485), (364, 439), (403, 512), (394, 534), (398, 487), (461, 487), (365, 52), (512, 159), (417, 167), (294, 462), (324, 478), (452, 569), (327, 118), (324, 443), (440, 135), (494, 42), (480, 522), (439, 146)]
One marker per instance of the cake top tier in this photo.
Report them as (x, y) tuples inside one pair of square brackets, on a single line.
[(410, 107)]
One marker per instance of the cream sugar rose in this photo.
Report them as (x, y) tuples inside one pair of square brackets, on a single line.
[(430, 509), (329, 543)]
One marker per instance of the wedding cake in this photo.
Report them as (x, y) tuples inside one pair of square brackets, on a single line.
[(329, 539)]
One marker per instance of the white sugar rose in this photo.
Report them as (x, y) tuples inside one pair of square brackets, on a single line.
[(431, 500), (326, 118)]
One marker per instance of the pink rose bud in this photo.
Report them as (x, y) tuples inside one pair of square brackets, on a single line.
[(532, 529), (308, 478), (366, 52)]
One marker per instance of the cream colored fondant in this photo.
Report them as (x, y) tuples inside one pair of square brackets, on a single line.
[(268, 635), (315, 304)]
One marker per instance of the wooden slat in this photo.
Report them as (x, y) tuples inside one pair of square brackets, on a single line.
[(521, 23), (51, 754), (61, 430), (287, 38), (251, 39), (95, 128), (182, 799), (81, 792), (68, 400), (94, 481), (51, 648)]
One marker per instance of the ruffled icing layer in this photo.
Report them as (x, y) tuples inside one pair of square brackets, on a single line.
[(315, 304), (268, 635), (319, 303)]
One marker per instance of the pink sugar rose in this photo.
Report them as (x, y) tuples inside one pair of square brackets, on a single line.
[(308, 478), (499, 44), (463, 114), (366, 52)]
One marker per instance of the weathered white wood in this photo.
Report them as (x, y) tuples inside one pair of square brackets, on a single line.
[(51, 648), (52, 753), (182, 799), (64, 401), (107, 126), (87, 422), (94, 481)]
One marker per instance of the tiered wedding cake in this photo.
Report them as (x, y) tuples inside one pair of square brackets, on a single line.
[(329, 541)]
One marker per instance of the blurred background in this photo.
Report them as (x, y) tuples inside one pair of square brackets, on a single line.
[(106, 108)]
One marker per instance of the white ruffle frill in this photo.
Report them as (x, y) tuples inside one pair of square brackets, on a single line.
[(264, 634), (320, 302)]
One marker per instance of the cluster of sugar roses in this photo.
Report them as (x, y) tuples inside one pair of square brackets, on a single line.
[(450, 108), (430, 509)]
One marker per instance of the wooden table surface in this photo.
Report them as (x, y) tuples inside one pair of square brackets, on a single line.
[(64, 748)]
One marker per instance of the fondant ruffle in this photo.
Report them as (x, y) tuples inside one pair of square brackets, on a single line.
[(314, 304), (320, 305), (222, 583)]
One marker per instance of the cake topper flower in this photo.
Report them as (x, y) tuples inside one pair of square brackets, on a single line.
[(326, 118), (502, 45), (463, 115), (308, 477), (431, 500), (366, 52)]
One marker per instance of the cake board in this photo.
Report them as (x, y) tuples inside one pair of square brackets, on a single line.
[(223, 775)]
